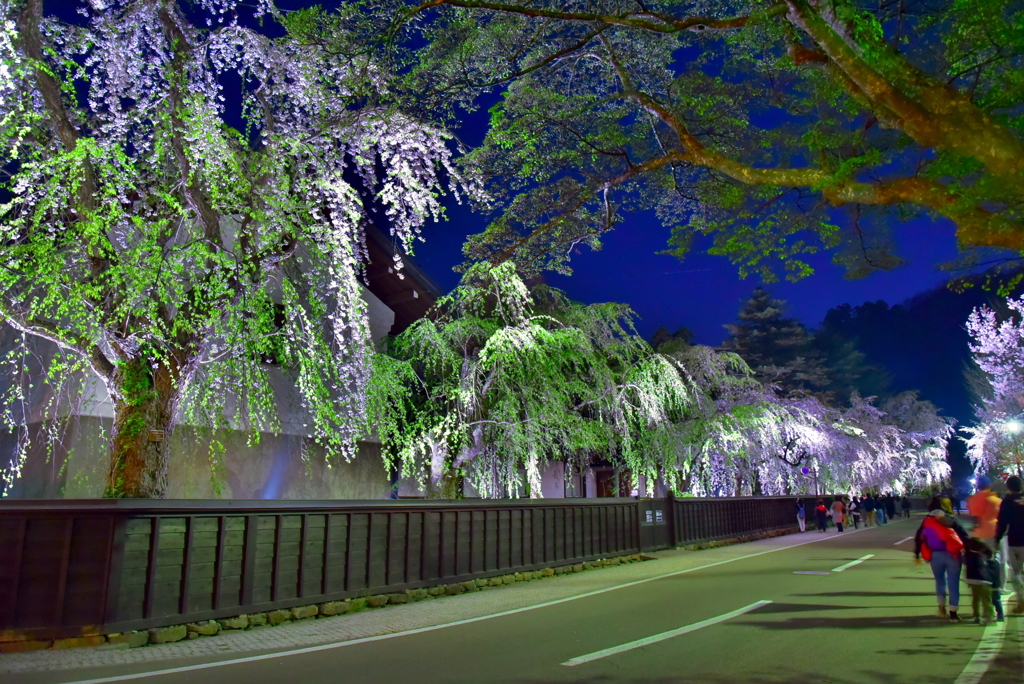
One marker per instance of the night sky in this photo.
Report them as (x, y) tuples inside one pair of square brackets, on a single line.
[(703, 292)]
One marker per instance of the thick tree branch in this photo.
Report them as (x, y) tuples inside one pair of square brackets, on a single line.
[(649, 21), (585, 196), (84, 349), (937, 116), (50, 89)]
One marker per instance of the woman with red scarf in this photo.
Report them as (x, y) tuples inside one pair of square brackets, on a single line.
[(940, 543)]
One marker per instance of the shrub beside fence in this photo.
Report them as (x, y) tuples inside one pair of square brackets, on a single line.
[(74, 568)]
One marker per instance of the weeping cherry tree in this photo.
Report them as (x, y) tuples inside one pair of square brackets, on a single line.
[(499, 380), (178, 249)]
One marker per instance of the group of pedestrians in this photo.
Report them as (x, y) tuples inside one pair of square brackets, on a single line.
[(949, 548), (849, 512)]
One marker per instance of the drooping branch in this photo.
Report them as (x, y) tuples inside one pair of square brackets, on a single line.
[(178, 77)]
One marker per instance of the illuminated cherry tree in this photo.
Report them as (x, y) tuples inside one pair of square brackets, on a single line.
[(997, 347), (499, 379), (179, 251)]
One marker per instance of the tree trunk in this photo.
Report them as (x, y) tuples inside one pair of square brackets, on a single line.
[(143, 422), (450, 487)]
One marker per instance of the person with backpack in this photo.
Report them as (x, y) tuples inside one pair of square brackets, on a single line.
[(838, 512), (821, 513), (801, 515), (1010, 524), (939, 544)]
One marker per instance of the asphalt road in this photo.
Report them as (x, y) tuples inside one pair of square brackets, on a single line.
[(870, 622)]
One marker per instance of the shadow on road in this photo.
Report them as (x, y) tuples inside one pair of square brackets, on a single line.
[(870, 593), (800, 608), (856, 623), (788, 677)]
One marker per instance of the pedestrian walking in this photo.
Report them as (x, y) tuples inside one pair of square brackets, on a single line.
[(868, 504), (977, 556), (821, 513), (983, 506), (880, 509), (940, 546), (838, 512), (890, 507), (854, 508), (801, 515), (1010, 524), (906, 505), (995, 569)]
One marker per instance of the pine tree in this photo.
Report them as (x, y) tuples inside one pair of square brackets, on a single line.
[(848, 368), (779, 350)]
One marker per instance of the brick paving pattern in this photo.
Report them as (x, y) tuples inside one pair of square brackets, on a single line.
[(391, 619)]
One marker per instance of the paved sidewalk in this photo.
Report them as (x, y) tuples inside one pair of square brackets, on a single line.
[(399, 618)]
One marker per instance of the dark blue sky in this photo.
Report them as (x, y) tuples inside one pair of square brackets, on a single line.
[(703, 292)]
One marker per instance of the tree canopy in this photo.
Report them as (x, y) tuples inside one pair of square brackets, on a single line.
[(776, 128), (184, 252)]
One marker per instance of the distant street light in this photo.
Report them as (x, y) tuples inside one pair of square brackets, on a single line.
[(1013, 426)]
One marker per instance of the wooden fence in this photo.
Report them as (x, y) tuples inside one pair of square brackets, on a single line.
[(72, 568)]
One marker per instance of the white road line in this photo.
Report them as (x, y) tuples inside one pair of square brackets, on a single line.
[(664, 635), (988, 649), (903, 540), (418, 630), (852, 563)]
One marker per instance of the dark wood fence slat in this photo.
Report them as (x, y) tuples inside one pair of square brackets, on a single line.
[(186, 566), (325, 576), (252, 523), (62, 573), (218, 561), (8, 613), (154, 549), (300, 589)]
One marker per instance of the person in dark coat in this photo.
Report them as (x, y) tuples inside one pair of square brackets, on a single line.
[(867, 504), (1011, 525), (906, 505), (821, 513), (977, 557), (890, 507), (855, 512)]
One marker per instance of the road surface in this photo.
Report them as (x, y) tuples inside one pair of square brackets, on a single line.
[(851, 608)]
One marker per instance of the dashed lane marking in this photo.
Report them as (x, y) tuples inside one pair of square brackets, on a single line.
[(647, 641), (852, 563), (903, 540)]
